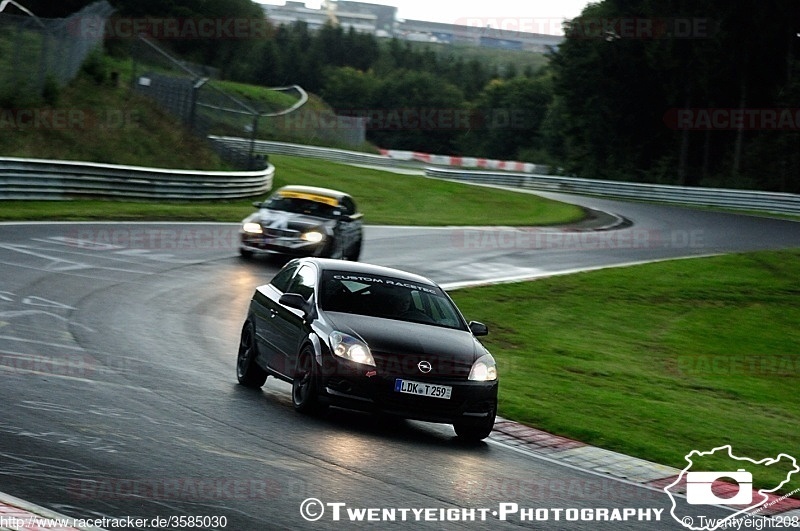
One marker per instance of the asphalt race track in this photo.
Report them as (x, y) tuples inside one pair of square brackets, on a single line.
[(117, 358)]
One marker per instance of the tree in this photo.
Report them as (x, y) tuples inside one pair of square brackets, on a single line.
[(347, 89), (616, 91), (508, 118), (418, 111)]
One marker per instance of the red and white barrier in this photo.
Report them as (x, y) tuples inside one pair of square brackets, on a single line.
[(464, 162)]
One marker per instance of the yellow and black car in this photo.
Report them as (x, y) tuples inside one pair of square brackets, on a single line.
[(304, 221)]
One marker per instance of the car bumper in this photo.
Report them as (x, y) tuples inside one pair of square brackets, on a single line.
[(469, 401), (283, 245)]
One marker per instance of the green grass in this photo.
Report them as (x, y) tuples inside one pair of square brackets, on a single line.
[(389, 198), (655, 360), (101, 123), (384, 197), (260, 98)]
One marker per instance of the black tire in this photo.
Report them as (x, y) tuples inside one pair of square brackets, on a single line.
[(245, 253), (305, 390), (355, 253), (334, 249), (475, 431), (248, 372)]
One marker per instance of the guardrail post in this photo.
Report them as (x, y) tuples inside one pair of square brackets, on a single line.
[(193, 107), (253, 133), (58, 179)]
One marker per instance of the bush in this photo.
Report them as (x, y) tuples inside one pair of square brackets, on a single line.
[(95, 67), (51, 91), (18, 97)]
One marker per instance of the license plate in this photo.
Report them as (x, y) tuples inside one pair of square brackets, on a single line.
[(423, 389)]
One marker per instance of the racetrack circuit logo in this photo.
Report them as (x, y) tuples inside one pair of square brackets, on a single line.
[(732, 488)]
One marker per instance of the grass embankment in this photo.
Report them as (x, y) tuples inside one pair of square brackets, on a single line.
[(655, 360), (102, 123), (98, 118), (384, 197)]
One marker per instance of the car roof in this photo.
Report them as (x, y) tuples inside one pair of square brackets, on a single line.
[(328, 264), (313, 190)]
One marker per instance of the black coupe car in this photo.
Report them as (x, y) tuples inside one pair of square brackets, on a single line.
[(371, 338), (304, 221)]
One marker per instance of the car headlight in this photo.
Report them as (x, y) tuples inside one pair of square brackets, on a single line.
[(313, 236), (252, 228), (350, 348), (484, 369)]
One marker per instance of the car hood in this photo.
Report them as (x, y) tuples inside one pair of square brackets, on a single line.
[(399, 346), (277, 219)]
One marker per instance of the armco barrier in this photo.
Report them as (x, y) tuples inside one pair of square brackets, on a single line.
[(386, 158), (716, 197), (266, 147), (466, 162), (62, 179)]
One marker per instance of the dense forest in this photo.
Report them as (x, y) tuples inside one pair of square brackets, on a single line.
[(700, 92)]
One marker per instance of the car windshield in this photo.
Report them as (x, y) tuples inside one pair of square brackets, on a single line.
[(389, 298), (301, 205)]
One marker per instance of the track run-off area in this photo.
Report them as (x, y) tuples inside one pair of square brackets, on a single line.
[(118, 344)]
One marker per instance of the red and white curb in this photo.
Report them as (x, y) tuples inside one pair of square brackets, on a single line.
[(612, 464)]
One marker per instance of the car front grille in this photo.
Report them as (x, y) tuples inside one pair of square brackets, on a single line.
[(407, 366), (280, 233)]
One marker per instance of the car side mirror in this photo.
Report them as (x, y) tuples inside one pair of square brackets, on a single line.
[(478, 329), (296, 301)]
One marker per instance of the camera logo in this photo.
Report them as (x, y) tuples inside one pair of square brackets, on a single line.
[(699, 488), (732, 489)]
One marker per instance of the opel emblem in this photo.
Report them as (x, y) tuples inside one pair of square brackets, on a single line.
[(425, 366)]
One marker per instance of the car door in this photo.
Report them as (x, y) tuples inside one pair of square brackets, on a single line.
[(349, 225), (264, 309), (290, 324)]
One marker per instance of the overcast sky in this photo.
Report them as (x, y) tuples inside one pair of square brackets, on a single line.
[(535, 16)]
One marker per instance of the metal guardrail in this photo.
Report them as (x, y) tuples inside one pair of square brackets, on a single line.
[(266, 147), (775, 202), (391, 158), (26, 179)]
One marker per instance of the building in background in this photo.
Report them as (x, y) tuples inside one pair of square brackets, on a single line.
[(385, 17), (382, 21), (422, 30), (296, 12)]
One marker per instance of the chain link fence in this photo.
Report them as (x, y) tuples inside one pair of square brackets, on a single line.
[(209, 107), (189, 92), (35, 51), (308, 125)]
